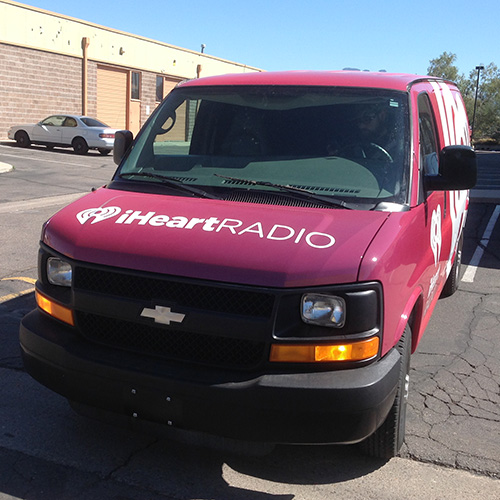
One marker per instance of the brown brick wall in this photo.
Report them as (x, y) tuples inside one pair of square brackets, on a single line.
[(148, 95), (35, 84)]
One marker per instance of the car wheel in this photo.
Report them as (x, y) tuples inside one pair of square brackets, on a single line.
[(387, 440), (451, 285), (22, 139), (104, 151), (80, 146)]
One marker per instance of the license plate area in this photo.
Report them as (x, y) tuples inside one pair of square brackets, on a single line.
[(149, 404)]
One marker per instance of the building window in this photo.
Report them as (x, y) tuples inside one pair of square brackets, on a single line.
[(135, 87), (159, 88)]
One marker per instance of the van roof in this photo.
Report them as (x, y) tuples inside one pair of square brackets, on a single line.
[(350, 78)]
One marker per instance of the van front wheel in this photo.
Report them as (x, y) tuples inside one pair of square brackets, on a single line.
[(387, 440)]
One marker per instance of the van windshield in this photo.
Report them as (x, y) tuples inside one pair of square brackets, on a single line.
[(340, 143)]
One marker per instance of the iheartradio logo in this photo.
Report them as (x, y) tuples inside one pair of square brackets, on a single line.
[(235, 227), (98, 214)]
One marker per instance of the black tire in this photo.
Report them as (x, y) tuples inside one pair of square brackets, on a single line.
[(104, 151), (451, 285), (80, 146), (22, 139), (387, 440)]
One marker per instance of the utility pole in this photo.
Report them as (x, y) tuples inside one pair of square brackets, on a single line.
[(479, 69)]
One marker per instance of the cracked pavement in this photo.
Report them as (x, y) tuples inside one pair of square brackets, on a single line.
[(454, 405)]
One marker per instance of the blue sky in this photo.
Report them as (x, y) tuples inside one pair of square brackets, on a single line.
[(398, 36)]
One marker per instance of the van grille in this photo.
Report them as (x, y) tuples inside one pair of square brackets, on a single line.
[(186, 293), (176, 345), (199, 347)]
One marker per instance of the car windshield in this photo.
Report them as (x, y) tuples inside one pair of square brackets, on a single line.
[(339, 143), (92, 122)]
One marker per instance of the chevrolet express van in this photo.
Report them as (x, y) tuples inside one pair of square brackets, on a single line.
[(264, 260)]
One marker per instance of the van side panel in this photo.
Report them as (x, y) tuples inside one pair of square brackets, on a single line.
[(453, 127), (404, 260), (413, 252)]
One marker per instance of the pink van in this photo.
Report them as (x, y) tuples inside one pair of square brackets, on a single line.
[(264, 260)]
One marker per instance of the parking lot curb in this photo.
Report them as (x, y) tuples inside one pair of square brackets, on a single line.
[(5, 167)]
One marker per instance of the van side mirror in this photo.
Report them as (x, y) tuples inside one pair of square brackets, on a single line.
[(123, 140), (457, 170)]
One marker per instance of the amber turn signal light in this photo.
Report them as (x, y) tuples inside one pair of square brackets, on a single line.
[(54, 309), (309, 353)]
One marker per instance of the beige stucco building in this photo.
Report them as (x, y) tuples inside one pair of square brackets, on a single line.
[(51, 63)]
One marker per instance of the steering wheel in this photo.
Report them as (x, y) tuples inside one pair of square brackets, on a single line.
[(367, 150)]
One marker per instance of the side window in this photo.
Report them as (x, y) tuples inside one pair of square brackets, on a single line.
[(70, 122), (135, 85), (159, 88), (428, 138), (54, 121)]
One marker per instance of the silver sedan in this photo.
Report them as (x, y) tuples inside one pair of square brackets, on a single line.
[(79, 132)]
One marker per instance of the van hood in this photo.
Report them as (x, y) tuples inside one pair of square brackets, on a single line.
[(242, 243)]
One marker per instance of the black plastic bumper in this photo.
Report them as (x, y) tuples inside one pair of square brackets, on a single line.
[(342, 406)]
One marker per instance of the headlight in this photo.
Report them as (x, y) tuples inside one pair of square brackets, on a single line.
[(323, 310), (59, 272)]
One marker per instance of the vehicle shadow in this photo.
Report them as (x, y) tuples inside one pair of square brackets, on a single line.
[(309, 465), (11, 313), (56, 149), (159, 468), (64, 455), (288, 464)]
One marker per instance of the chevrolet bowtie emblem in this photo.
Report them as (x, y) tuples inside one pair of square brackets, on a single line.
[(162, 315)]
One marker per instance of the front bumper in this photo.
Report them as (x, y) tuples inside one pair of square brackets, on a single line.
[(342, 406)]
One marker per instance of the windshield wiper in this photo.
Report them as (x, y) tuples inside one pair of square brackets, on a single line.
[(171, 182), (296, 191)]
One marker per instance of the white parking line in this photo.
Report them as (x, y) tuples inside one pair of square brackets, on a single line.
[(46, 160), (19, 206), (470, 272)]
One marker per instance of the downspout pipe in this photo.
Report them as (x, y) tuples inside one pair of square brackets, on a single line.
[(85, 46)]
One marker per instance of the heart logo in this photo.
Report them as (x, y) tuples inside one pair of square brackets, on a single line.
[(436, 234), (98, 214)]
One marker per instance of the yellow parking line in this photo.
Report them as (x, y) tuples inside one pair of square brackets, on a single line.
[(20, 278), (15, 295), (12, 296)]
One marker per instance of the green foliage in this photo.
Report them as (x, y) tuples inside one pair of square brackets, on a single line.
[(487, 119), (444, 67)]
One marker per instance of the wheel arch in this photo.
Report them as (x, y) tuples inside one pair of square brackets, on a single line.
[(413, 317), (77, 138), (22, 131)]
